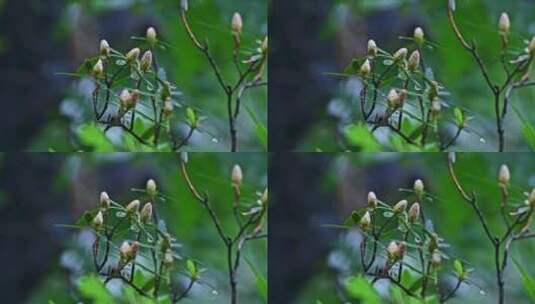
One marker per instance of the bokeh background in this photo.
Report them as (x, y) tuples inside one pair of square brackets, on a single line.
[(309, 39), (41, 39), (309, 260), (39, 192)]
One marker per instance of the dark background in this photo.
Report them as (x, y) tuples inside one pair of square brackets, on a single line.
[(311, 190)]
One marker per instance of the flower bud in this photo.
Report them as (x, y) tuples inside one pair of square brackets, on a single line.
[(146, 61), (531, 198), (504, 176), (133, 54), (126, 99), (365, 69), (168, 259), (152, 37), (146, 213), (433, 242), (168, 107), (264, 197), (504, 24), (104, 200), (365, 221), (414, 61), (436, 258), (393, 99), (98, 221), (372, 200), (414, 212), (236, 176), (419, 36), (400, 206), (98, 69), (418, 187), (151, 187), (236, 24), (125, 250), (402, 95), (531, 46), (133, 206), (436, 107), (400, 54), (372, 48), (104, 48), (393, 251)]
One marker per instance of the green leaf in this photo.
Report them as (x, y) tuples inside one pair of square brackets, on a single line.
[(92, 136), (91, 287), (527, 280), (458, 266), (359, 288), (527, 129), (192, 269), (191, 117), (260, 128), (459, 117), (359, 136), (261, 282)]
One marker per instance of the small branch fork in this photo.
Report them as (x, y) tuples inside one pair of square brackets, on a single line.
[(518, 229), (250, 78), (119, 271), (379, 272), (370, 93), (250, 229), (501, 93), (120, 120)]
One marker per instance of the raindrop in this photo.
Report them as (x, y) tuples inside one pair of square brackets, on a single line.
[(214, 292), (482, 140), (482, 292), (215, 140)]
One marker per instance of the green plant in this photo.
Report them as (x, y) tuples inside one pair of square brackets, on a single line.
[(517, 220), (400, 246), (249, 220), (133, 93), (132, 245)]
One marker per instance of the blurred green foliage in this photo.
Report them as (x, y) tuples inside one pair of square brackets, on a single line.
[(388, 173), (184, 64), (185, 217), (452, 65)]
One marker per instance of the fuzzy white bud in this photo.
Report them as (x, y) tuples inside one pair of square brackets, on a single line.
[(133, 206), (168, 107), (372, 48), (400, 206), (104, 48), (372, 200), (151, 35), (418, 187), (104, 200), (98, 68), (126, 99), (146, 213), (436, 106), (393, 99), (151, 187), (504, 176), (146, 61), (436, 258), (98, 221), (419, 35), (236, 25), (414, 212), (365, 221), (400, 54), (504, 24), (133, 54), (393, 251), (236, 176), (414, 61), (365, 69)]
